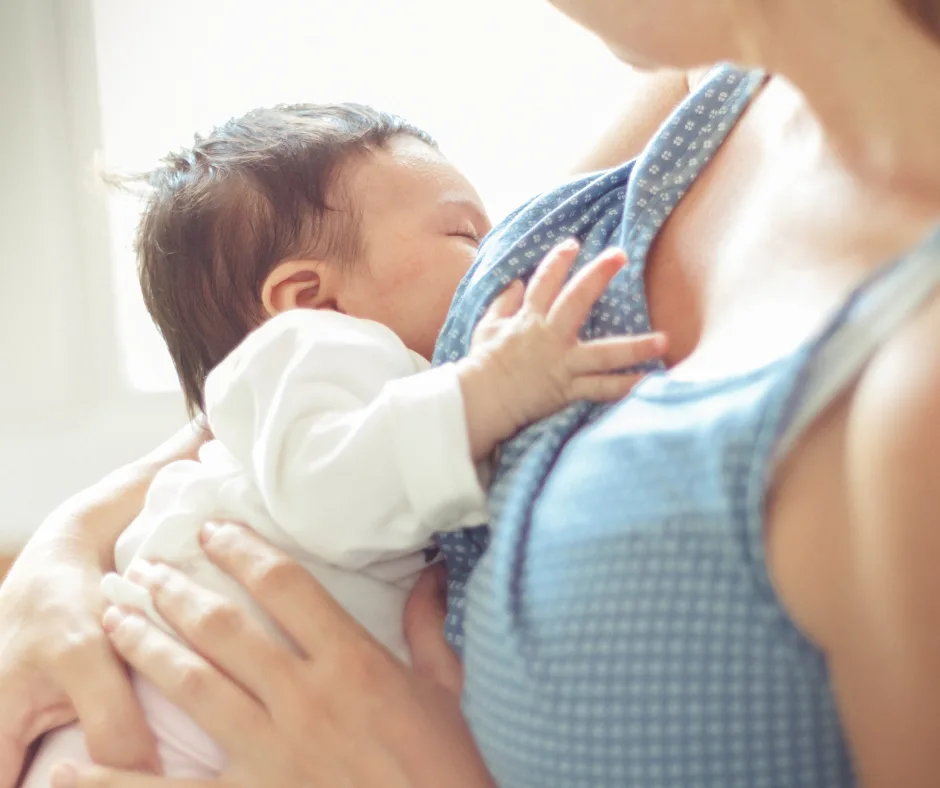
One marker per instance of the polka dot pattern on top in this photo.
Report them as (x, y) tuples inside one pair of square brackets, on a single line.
[(600, 210), (617, 623)]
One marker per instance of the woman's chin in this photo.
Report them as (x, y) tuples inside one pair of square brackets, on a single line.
[(637, 60)]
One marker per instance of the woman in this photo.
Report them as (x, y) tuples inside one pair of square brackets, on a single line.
[(728, 578)]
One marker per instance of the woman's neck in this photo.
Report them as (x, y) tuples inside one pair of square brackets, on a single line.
[(869, 73)]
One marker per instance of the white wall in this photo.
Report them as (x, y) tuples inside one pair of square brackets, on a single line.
[(66, 415)]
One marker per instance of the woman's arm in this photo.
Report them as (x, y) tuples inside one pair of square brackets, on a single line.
[(883, 637), (343, 712), (56, 664), (651, 98), (89, 523), (327, 411)]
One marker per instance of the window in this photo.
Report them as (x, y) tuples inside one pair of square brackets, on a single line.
[(512, 91)]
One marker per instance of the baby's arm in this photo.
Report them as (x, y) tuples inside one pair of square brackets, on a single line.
[(357, 458), (526, 361), (355, 455)]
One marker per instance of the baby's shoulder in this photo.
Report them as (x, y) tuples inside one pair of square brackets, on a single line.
[(307, 345)]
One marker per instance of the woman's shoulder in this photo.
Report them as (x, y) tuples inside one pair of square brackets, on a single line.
[(895, 408), (883, 648), (895, 412)]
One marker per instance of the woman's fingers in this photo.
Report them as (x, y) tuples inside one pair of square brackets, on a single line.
[(574, 304), (549, 277), (603, 388), (299, 605), (221, 631), (226, 711), (615, 353), (425, 612), (69, 775), (116, 731)]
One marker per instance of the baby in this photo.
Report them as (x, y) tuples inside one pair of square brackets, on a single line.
[(299, 262)]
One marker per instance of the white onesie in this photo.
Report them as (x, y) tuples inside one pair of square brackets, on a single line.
[(329, 445)]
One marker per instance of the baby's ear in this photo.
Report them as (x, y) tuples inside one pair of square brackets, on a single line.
[(291, 285)]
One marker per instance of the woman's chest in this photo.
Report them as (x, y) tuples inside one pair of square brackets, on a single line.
[(764, 250), (768, 242), (621, 622)]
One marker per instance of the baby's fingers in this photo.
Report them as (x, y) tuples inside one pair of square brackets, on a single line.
[(506, 304), (613, 353), (547, 281), (572, 307), (603, 388)]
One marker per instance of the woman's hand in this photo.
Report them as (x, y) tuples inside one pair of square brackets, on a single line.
[(56, 663), (431, 655), (342, 712)]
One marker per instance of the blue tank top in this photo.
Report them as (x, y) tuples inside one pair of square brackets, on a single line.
[(618, 623)]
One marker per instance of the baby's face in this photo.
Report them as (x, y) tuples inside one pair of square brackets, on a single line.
[(421, 223)]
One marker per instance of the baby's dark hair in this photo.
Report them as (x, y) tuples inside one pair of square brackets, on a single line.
[(220, 216)]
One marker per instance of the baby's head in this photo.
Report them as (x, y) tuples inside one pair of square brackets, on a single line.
[(309, 206)]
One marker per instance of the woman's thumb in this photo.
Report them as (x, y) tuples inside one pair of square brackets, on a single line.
[(425, 613)]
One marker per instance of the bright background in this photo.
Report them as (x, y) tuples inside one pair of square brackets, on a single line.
[(513, 92)]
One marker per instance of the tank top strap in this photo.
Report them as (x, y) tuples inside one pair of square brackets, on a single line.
[(680, 151), (875, 310)]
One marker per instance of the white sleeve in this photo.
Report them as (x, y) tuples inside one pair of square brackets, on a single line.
[(356, 457)]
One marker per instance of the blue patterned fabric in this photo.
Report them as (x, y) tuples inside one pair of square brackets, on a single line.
[(596, 210), (618, 626)]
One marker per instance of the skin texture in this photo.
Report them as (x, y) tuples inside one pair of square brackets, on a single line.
[(423, 221), (849, 166), (839, 155), (650, 97), (526, 362), (654, 34), (49, 680), (411, 713)]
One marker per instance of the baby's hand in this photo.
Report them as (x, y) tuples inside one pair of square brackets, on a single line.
[(526, 361)]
